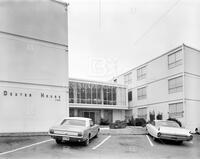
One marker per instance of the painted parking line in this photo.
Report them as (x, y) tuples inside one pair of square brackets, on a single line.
[(149, 140), (101, 142), (21, 148), (104, 128)]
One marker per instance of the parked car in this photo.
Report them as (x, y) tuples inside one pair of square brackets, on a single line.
[(75, 129), (169, 130)]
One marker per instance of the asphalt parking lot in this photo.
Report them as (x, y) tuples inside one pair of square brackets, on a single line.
[(112, 146)]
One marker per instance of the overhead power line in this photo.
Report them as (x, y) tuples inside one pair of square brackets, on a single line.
[(156, 22)]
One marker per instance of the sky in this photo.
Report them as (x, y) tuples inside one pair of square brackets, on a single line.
[(109, 37)]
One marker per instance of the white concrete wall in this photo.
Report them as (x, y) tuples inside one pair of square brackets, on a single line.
[(33, 73), (23, 108), (40, 19), (192, 87), (32, 62), (192, 58), (192, 114)]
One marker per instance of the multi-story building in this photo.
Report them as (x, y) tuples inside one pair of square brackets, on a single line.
[(32, 85), (98, 100), (168, 85)]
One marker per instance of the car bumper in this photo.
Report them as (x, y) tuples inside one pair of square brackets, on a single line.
[(68, 138), (175, 137)]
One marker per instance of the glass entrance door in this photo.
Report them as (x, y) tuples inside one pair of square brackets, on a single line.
[(89, 115)]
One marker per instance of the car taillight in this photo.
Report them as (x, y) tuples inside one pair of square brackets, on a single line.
[(51, 131), (80, 134), (159, 134)]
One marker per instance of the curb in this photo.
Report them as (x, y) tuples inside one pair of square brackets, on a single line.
[(114, 134), (23, 134), (125, 131)]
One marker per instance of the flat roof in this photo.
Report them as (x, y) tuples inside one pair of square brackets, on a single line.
[(78, 118), (96, 82)]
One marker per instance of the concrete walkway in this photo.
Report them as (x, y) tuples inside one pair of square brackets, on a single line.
[(129, 130)]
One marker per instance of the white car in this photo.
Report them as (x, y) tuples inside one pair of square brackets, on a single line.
[(77, 129), (168, 130)]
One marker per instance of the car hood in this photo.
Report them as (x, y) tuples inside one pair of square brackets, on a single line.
[(175, 131), (68, 128)]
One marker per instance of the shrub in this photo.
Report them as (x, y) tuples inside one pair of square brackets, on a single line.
[(131, 121), (152, 116), (176, 120), (140, 122), (118, 124), (159, 116), (104, 122)]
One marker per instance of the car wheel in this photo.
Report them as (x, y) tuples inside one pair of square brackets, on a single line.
[(179, 142), (58, 141), (154, 139), (87, 141)]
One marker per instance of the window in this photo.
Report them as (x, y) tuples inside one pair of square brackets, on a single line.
[(94, 94), (73, 122), (78, 87), (71, 92), (142, 113), (88, 94), (128, 79), (175, 85), (105, 95), (83, 93), (141, 73), (176, 110), (114, 96), (99, 99), (141, 93), (130, 96), (109, 94), (175, 59)]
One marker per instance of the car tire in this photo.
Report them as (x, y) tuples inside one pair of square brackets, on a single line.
[(58, 141), (154, 139), (87, 141), (179, 142)]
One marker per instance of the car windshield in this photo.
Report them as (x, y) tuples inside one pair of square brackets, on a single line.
[(167, 124), (74, 122)]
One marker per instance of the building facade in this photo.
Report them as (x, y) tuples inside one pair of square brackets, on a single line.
[(32, 85), (98, 100), (167, 86)]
